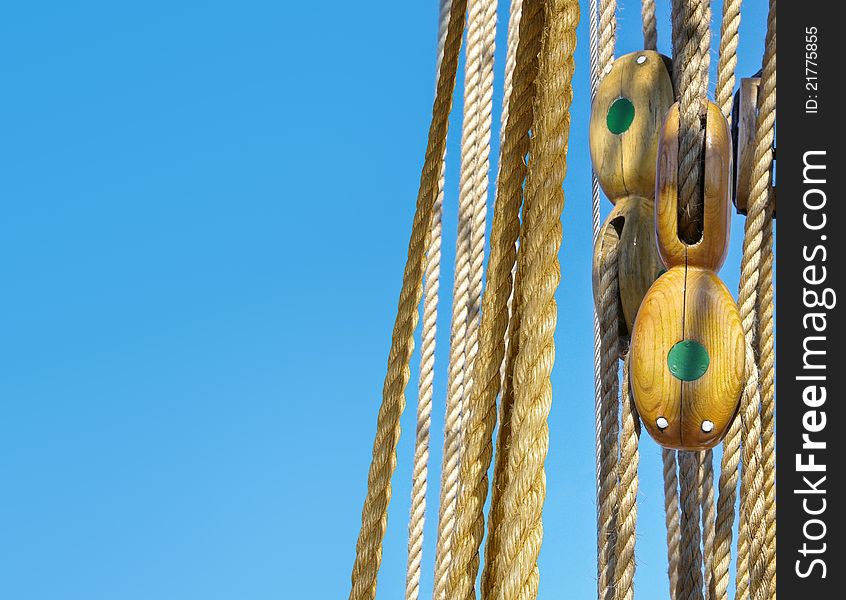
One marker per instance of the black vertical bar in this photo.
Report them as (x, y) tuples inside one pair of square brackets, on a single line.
[(809, 324)]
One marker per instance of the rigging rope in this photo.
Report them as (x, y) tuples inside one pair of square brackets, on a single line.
[(650, 25), (627, 527), (521, 529), (431, 280), (469, 257), (374, 513), (481, 403)]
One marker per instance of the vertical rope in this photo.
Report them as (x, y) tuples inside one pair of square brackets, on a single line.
[(481, 403), (762, 193), (725, 513), (469, 256), (671, 516), (496, 513), (690, 571), (609, 425), (607, 35), (650, 25), (521, 530), (374, 513), (629, 459), (727, 62), (431, 281), (754, 506), (706, 497), (691, 57)]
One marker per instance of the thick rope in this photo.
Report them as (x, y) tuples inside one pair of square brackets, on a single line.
[(706, 492), (469, 257), (727, 61), (521, 530), (375, 511), (481, 403), (496, 513), (719, 580), (691, 57), (671, 516), (650, 25), (762, 194), (609, 424), (607, 35), (431, 280), (766, 360), (754, 506), (690, 555), (629, 459)]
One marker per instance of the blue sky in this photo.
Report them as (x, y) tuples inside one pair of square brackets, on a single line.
[(205, 212)]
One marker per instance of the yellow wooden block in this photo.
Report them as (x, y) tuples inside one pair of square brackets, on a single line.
[(626, 117), (687, 359), (710, 251)]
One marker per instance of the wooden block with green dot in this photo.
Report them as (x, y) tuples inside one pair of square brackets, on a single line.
[(688, 348), (626, 119)]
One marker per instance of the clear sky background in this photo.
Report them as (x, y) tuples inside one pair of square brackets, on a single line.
[(205, 213)]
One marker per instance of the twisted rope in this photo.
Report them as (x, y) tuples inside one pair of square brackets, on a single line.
[(629, 459), (521, 530), (481, 403), (762, 194), (727, 61), (706, 491), (374, 513), (607, 35), (691, 57), (671, 516), (469, 256), (753, 573), (609, 424), (650, 25), (690, 556), (431, 281)]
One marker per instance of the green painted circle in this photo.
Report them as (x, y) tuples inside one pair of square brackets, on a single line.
[(688, 360), (620, 115)]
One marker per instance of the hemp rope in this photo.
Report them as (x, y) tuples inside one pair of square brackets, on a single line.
[(762, 194), (690, 570), (469, 257), (481, 403), (374, 513), (521, 530), (671, 516), (609, 426), (754, 509), (650, 25), (707, 508), (512, 333), (431, 280), (629, 459), (691, 57), (607, 35), (727, 61), (608, 419), (496, 512)]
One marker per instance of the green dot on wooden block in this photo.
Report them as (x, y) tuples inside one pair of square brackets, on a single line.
[(620, 115), (688, 360)]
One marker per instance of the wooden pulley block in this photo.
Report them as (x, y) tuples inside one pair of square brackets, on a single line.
[(626, 117), (631, 228), (627, 114), (744, 117), (688, 348)]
